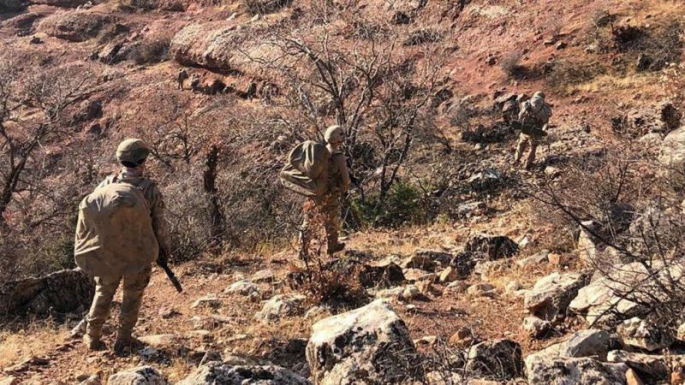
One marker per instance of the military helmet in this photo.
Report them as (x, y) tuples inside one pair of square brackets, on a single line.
[(133, 151), (334, 134), (539, 94)]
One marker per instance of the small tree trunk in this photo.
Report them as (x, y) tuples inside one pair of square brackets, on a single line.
[(217, 218)]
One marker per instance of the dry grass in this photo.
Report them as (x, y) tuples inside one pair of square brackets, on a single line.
[(35, 339)]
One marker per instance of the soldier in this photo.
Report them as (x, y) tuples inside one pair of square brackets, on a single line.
[(182, 76), (534, 117), (133, 270), (195, 83), (338, 184)]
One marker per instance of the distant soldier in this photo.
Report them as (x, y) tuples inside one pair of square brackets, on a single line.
[(339, 182), (533, 118), (195, 83), (120, 233), (182, 76)]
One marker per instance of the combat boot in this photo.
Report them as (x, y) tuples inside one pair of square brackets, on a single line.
[(336, 247), (93, 343)]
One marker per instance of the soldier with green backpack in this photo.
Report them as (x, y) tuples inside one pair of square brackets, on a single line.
[(120, 233), (533, 120), (319, 172)]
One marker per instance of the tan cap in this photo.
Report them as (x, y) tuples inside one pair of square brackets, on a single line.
[(133, 151), (334, 133)]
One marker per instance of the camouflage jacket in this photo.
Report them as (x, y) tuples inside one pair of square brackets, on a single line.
[(338, 176), (154, 198)]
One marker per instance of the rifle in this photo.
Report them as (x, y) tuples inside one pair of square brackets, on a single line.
[(162, 262)]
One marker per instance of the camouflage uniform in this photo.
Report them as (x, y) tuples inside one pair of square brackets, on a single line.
[(536, 113), (329, 204), (133, 284), (195, 83)]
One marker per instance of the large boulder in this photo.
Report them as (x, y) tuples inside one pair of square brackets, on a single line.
[(498, 359), (64, 291), (551, 295), (642, 334), (226, 373), (143, 375), (367, 345), (77, 26), (577, 371), (495, 247), (586, 343)]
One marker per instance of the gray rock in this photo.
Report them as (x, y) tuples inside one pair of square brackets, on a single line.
[(263, 276), (577, 371), (641, 334), (436, 256), (534, 260), (161, 341), (495, 247), (143, 375), (281, 306), (586, 343), (652, 368), (536, 327), (672, 152), (367, 345), (500, 359), (229, 373), (551, 295), (481, 290), (64, 291), (243, 287)]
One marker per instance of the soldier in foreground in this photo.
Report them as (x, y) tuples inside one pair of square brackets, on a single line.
[(120, 233), (319, 172), (182, 76), (534, 117)]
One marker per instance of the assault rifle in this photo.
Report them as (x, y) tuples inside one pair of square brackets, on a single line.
[(162, 262)]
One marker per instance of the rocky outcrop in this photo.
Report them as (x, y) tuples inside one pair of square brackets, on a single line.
[(551, 295), (500, 359), (651, 368), (143, 375), (62, 3), (586, 343), (62, 292), (226, 373), (578, 371), (77, 26), (367, 345), (224, 47), (642, 334)]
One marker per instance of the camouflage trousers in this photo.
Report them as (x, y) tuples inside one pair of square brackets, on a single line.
[(524, 142), (105, 288), (329, 209)]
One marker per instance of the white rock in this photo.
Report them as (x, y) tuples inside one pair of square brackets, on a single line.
[(576, 371), (552, 294), (143, 375), (641, 334), (341, 352), (243, 287), (281, 306)]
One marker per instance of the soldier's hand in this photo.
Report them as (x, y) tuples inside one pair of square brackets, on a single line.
[(162, 258)]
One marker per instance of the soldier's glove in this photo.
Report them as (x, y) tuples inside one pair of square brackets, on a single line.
[(162, 258)]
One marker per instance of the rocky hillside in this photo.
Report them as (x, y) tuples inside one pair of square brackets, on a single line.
[(460, 268)]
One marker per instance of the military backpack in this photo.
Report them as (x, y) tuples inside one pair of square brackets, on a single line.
[(306, 169)]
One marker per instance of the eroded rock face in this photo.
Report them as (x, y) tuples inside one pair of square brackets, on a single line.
[(367, 345), (226, 373), (77, 26), (62, 292), (143, 375), (651, 368), (578, 371), (551, 295)]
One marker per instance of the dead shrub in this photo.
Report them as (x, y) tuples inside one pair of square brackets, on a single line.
[(512, 67), (151, 51), (565, 74), (261, 7)]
